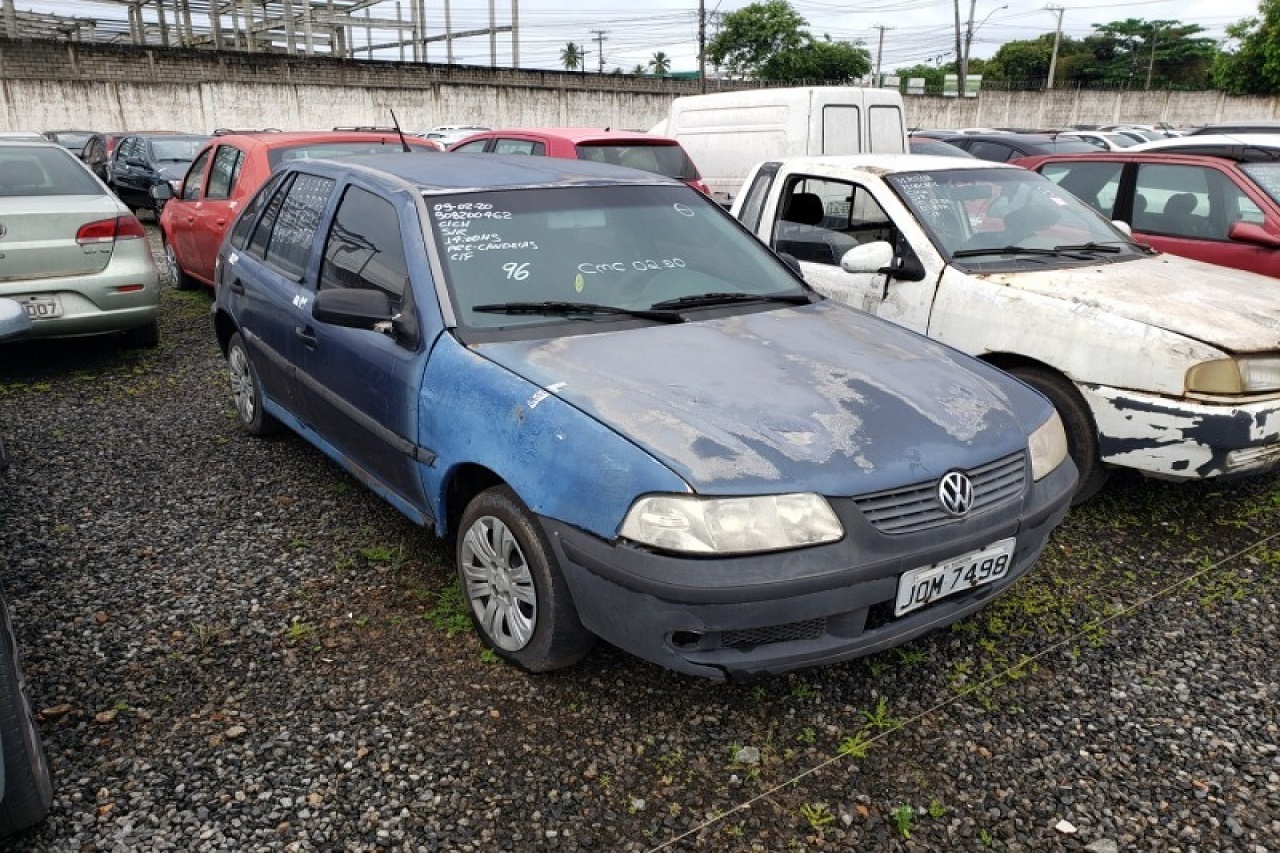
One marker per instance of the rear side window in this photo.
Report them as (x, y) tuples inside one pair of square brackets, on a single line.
[(994, 151), (476, 147), (240, 232), (287, 229), (226, 168), (519, 146), (194, 182), (364, 248)]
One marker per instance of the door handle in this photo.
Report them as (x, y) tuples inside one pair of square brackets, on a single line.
[(236, 286), (305, 335)]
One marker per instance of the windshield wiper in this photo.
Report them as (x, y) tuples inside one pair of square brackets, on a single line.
[(1109, 248), (698, 300), (553, 307), (1061, 252)]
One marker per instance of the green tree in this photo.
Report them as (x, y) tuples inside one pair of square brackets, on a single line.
[(1253, 68), (639, 69), (932, 75), (572, 56), (661, 64), (1124, 52), (768, 41)]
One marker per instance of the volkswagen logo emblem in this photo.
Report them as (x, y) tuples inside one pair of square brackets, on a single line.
[(955, 493)]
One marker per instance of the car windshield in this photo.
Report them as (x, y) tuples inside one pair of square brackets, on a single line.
[(43, 170), (1266, 176), (573, 254), (984, 215), (70, 139), (176, 150), (669, 160)]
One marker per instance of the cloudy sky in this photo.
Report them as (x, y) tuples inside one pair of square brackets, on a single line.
[(621, 34)]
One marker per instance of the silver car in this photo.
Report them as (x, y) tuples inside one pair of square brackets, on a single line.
[(71, 253)]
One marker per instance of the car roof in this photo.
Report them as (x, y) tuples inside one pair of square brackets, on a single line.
[(1127, 155), (1261, 140), (890, 163), (583, 134), (290, 138), (462, 172)]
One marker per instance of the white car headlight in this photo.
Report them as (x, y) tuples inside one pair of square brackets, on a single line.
[(1048, 446), (1250, 374), (696, 525)]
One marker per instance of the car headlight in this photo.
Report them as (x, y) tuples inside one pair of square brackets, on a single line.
[(1048, 446), (697, 525), (1243, 375)]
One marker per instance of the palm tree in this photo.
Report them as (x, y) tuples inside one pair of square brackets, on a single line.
[(661, 64), (571, 56), (638, 70)]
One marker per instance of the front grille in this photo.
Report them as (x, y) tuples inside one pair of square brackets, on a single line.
[(810, 629), (914, 508)]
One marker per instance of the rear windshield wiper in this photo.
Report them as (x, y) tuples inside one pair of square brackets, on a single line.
[(552, 307), (698, 300)]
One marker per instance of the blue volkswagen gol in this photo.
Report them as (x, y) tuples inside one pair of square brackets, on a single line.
[(634, 420)]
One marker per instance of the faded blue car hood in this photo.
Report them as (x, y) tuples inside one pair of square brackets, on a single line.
[(817, 398)]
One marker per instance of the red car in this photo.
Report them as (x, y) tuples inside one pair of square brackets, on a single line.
[(645, 151), (1221, 206), (225, 174)]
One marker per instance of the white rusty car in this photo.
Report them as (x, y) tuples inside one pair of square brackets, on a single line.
[(1161, 364)]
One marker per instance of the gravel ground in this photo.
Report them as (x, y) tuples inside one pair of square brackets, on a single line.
[(234, 646)]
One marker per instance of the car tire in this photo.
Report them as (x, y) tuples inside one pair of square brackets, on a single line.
[(246, 390), (143, 336), (1077, 420), (179, 279), (515, 592), (28, 789)]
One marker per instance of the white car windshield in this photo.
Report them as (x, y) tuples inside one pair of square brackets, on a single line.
[(982, 214)]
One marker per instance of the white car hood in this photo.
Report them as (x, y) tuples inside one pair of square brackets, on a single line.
[(1236, 311)]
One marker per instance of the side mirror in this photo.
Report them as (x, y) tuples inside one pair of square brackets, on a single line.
[(1249, 232), (867, 258), (1123, 226), (355, 308), (161, 192), (364, 308)]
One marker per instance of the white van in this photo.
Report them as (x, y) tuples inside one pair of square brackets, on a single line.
[(726, 133)]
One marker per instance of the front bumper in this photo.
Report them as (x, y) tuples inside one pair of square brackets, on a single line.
[(739, 617), (1183, 439)]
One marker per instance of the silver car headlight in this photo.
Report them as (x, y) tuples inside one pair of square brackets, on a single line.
[(696, 525), (1249, 374), (1048, 444)]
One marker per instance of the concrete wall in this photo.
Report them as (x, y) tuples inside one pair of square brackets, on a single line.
[(46, 85)]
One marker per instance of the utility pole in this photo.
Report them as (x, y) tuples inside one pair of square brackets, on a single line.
[(702, 46), (1057, 38), (879, 50), (600, 40), (958, 53)]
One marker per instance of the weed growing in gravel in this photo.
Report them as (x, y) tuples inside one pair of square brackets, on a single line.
[(936, 809), (299, 631), (817, 814), (450, 612), (880, 719), (856, 745), (904, 818)]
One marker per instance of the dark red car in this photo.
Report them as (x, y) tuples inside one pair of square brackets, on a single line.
[(229, 169), (1222, 208), (659, 154)]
